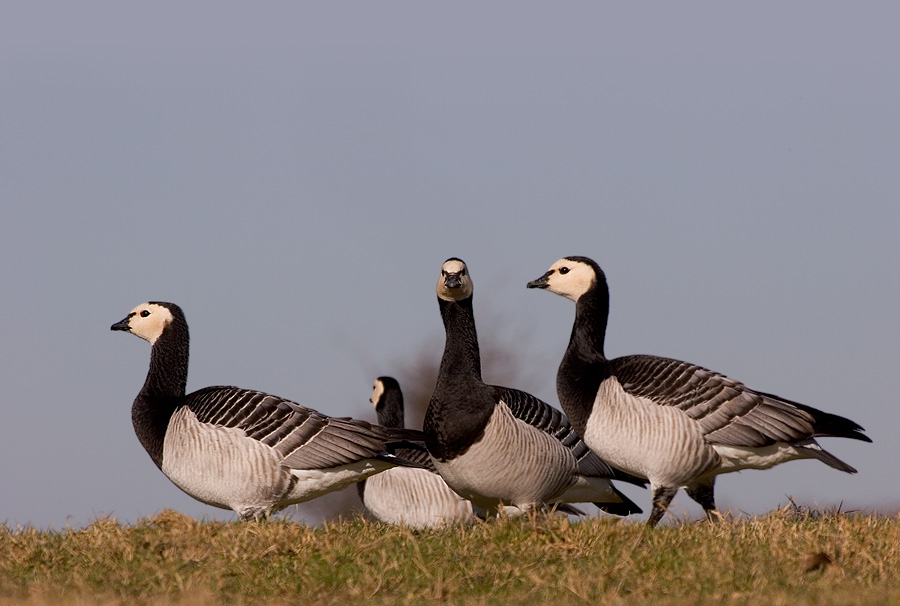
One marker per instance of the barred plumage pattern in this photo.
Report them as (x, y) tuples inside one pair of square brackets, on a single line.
[(305, 438), (418, 498), (548, 419), (726, 411), (513, 463), (242, 449), (495, 445), (675, 423), (415, 497)]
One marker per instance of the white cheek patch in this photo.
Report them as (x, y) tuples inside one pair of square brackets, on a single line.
[(377, 393), (152, 326), (574, 283)]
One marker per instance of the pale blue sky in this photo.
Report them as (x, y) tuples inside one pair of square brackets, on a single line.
[(294, 174)]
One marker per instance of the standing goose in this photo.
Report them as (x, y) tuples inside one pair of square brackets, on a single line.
[(674, 423), (406, 496), (498, 446), (240, 449)]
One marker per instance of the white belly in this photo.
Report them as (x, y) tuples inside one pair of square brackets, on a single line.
[(656, 442), (312, 483), (735, 458), (221, 466), (416, 498), (514, 464)]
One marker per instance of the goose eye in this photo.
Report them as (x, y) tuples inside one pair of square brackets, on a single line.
[(145, 313), (563, 270)]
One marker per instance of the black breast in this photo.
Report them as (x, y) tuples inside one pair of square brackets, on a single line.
[(456, 419)]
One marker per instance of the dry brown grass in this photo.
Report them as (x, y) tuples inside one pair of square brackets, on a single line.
[(783, 558)]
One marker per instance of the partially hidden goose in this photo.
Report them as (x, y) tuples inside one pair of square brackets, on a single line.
[(674, 423), (240, 449), (408, 496), (501, 447)]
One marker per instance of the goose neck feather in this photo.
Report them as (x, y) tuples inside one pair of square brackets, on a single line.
[(462, 355), (461, 404), (164, 388), (390, 409), (584, 365), (591, 316)]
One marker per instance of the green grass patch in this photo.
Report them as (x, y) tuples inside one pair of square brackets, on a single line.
[(782, 558)]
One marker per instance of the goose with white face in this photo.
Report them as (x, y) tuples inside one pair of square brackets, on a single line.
[(569, 277), (241, 449), (147, 321), (454, 283), (377, 392), (476, 433), (675, 423)]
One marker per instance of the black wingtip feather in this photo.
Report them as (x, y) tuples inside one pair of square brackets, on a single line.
[(620, 509), (817, 452), (567, 509), (625, 508), (407, 453), (825, 424)]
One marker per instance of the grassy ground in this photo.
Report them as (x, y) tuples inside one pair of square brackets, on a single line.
[(783, 558)]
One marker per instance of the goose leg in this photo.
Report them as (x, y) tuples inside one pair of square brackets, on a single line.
[(662, 496), (704, 494), (257, 513)]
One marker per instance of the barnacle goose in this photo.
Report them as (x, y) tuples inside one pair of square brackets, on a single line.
[(407, 496), (501, 447), (240, 449), (674, 423)]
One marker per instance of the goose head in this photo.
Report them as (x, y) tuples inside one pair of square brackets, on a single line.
[(454, 283), (388, 402), (382, 385), (148, 320), (570, 277)]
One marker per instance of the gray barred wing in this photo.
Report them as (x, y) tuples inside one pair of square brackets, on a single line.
[(727, 412), (306, 438)]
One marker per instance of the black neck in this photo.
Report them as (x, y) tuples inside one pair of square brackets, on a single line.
[(390, 409), (591, 316), (584, 365), (462, 356), (461, 404), (163, 390)]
